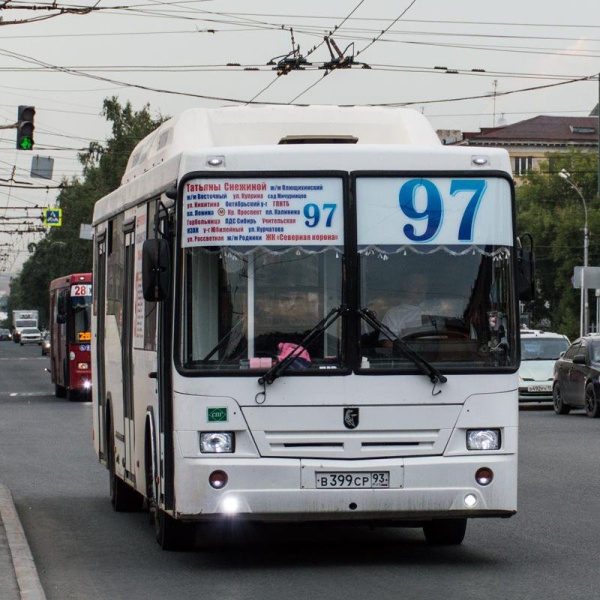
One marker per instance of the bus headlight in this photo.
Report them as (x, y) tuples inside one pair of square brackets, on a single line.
[(217, 442), (483, 439)]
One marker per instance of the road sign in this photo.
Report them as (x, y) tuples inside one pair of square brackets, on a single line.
[(53, 217), (592, 277)]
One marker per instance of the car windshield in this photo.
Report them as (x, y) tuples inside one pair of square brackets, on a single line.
[(543, 348)]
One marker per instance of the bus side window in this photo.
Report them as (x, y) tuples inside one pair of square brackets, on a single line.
[(60, 309)]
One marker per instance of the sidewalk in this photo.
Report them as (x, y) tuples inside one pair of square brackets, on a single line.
[(18, 574)]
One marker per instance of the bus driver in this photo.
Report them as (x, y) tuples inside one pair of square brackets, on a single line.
[(407, 316)]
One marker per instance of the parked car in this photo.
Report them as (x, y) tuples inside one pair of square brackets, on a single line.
[(30, 335), (539, 352), (5, 335), (45, 344), (576, 376)]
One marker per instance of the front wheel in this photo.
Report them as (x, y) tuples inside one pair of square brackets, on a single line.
[(592, 408), (560, 408), (445, 532)]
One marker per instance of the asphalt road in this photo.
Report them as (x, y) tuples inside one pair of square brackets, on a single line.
[(83, 550)]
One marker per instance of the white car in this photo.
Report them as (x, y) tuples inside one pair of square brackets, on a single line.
[(30, 335), (539, 352)]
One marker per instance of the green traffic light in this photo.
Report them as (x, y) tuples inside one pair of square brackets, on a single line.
[(26, 143)]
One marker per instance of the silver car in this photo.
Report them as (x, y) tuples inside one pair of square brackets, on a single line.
[(539, 352), (31, 335)]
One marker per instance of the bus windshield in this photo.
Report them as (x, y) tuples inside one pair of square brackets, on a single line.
[(81, 309), (436, 268), (243, 309), (448, 305), (262, 275)]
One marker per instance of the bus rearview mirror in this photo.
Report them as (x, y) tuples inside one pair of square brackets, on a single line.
[(526, 270), (155, 270)]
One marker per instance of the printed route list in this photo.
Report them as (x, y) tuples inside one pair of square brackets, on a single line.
[(282, 211)]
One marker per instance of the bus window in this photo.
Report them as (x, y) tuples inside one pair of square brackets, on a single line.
[(448, 305), (241, 305), (81, 308)]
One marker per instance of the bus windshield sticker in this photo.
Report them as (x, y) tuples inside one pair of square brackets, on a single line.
[(438, 210), (263, 211)]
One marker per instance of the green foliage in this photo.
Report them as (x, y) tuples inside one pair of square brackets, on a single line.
[(62, 252), (553, 212)]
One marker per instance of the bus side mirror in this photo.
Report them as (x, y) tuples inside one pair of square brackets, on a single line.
[(526, 270), (155, 270)]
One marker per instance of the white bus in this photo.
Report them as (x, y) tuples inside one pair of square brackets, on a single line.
[(245, 364)]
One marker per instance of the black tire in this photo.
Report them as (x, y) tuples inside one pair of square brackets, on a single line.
[(60, 391), (77, 396), (122, 497), (560, 408), (445, 532), (592, 408), (172, 534)]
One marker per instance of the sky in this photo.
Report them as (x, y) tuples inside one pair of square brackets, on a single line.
[(464, 64)]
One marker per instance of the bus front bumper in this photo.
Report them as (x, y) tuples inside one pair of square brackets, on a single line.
[(287, 490)]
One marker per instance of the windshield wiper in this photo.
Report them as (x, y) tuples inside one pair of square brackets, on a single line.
[(225, 339), (279, 368), (424, 366)]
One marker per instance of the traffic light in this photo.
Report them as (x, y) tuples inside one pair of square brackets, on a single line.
[(25, 127)]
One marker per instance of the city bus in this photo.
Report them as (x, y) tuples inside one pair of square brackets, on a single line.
[(244, 368), (70, 336)]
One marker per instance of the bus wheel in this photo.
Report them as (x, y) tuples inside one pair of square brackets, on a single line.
[(60, 391), (172, 534), (445, 532)]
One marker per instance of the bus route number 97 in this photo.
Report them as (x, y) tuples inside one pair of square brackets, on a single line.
[(341, 480)]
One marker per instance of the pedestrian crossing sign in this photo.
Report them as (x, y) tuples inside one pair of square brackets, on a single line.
[(53, 217)]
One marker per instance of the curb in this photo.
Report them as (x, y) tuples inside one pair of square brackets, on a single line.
[(23, 563)]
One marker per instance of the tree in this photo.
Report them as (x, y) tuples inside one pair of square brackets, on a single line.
[(552, 212), (61, 251)]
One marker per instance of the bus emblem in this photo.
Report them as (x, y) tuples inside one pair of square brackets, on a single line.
[(351, 418), (215, 415)]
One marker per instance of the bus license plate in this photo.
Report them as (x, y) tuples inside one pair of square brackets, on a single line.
[(338, 480)]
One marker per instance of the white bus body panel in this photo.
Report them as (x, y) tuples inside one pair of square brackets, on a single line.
[(419, 439)]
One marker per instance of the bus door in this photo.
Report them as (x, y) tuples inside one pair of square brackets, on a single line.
[(100, 310), (164, 358), (126, 347)]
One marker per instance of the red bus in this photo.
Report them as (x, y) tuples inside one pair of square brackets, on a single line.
[(70, 335)]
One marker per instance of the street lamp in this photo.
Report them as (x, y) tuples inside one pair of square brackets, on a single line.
[(583, 325)]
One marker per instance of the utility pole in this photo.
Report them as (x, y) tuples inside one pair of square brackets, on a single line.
[(584, 308)]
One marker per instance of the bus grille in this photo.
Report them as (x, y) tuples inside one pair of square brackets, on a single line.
[(381, 432), (351, 445)]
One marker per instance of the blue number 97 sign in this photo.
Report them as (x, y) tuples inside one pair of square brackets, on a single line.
[(421, 210)]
